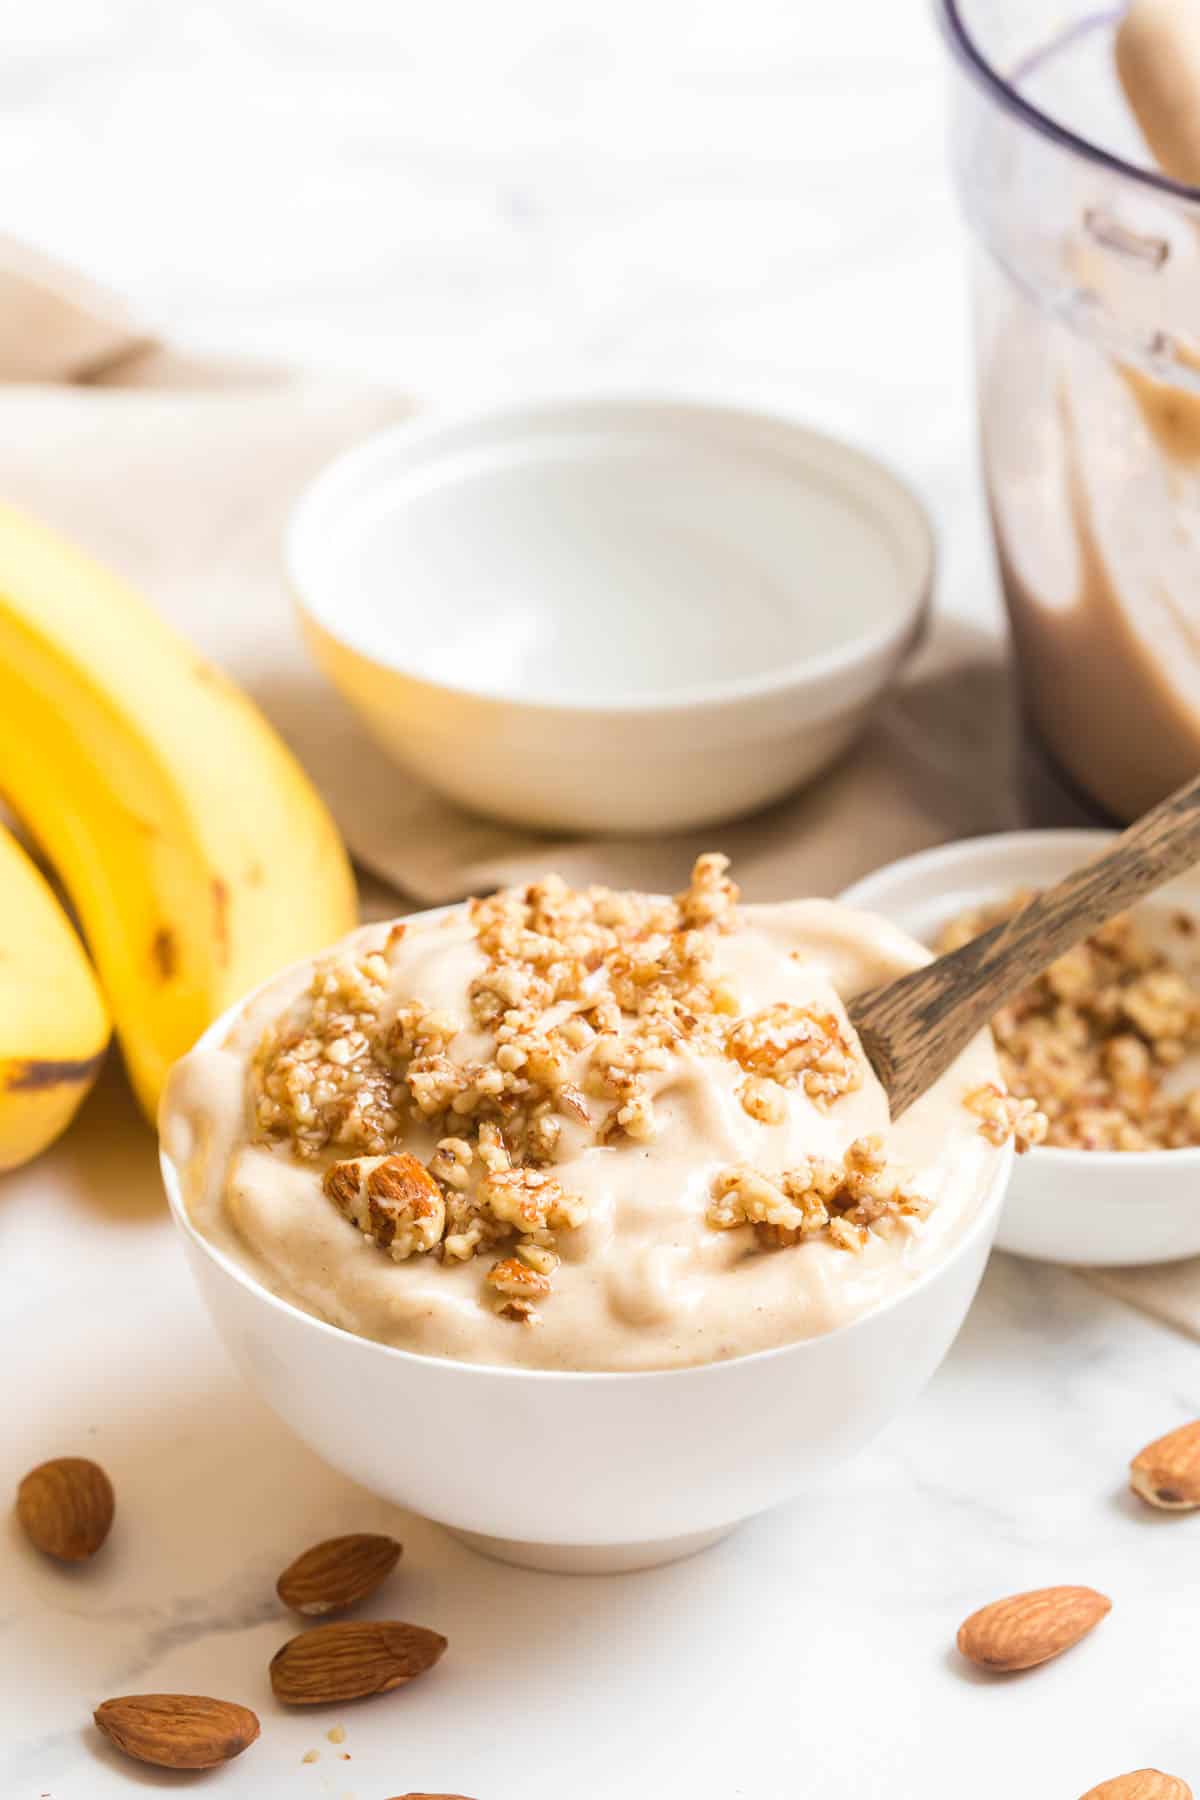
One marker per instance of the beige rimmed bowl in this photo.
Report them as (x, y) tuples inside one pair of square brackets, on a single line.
[(621, 614)]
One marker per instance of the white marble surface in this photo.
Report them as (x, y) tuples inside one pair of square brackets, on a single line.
[(812, 1653), (474, 200)]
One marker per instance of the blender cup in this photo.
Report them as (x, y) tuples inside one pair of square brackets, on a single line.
[(1086, 298)]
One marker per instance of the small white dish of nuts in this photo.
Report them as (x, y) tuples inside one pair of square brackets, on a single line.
[(1107, 1043)]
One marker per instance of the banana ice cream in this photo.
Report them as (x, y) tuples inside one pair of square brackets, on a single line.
[(586, 1130)]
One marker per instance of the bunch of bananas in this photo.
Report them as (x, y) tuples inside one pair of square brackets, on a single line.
[(196, 855)]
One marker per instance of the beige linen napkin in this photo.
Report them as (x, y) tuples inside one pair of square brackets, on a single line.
[(179, 473)]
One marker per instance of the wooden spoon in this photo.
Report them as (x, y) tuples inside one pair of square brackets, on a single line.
[(913, 1028)]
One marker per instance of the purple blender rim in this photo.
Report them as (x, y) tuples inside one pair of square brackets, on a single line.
[(1001, 89)]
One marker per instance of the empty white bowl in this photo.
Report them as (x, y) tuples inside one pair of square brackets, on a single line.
[(586, 1472), (1091, 1207), (610, 615)]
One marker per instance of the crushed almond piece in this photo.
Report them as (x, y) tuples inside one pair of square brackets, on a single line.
[(1003, 1116), (712, 898), (816, 1197), (517, 1280), (451, 1162), (520, 1288), (539, 1256), (531, 1200), (541, 1137), (572, 1101), (763, 1100), (790, 1044), (393, 1200)]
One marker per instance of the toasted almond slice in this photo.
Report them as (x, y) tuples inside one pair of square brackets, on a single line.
[(177, 1731), (351, 1660), (1027, 1629), (1167, 1472), (1141, 1784), (66, 1507), (337, 1573)]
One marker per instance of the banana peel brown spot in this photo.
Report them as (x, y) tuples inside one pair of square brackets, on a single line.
[(164, 952), (38, 1073)]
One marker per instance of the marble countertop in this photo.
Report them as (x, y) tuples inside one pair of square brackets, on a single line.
[(472, 202), (810, 1653)]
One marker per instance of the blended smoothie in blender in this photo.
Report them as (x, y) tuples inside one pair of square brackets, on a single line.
[(1075, 155)]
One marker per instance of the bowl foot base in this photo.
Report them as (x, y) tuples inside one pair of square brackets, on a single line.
[(590, 1559)]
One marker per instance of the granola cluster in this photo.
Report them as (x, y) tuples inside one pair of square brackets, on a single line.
[(1092, 1043), (841, 1201)]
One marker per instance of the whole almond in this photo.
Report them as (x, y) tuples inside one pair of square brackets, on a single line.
[(337, 1573), (1027, 1629), (352, 1660), (1167, 1472), (177, 1731), (1142, 1784), (66, 1507)]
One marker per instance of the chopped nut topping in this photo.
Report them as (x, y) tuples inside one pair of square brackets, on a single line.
[(515, 1278), (520, 1287), (793, 1043), (324, 1078), (763, 1100), (393, 1200), (530, 1201), (712, 898), (538, 1256), (582, 1002), (1004, 1116), (451, 1162), (1086, 1048), (816, 1196)]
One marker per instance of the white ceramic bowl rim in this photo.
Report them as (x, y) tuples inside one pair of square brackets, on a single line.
[(910, 522), (988, 1207), (948, 855)]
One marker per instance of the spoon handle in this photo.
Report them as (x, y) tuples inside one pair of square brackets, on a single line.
[(913, 1028)]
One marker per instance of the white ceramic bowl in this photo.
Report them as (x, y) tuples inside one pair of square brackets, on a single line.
[(610, 615), (586, 1472), (1092, 1207)]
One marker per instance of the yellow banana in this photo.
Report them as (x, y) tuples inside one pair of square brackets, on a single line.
[(197, 855), (53, 1020)]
